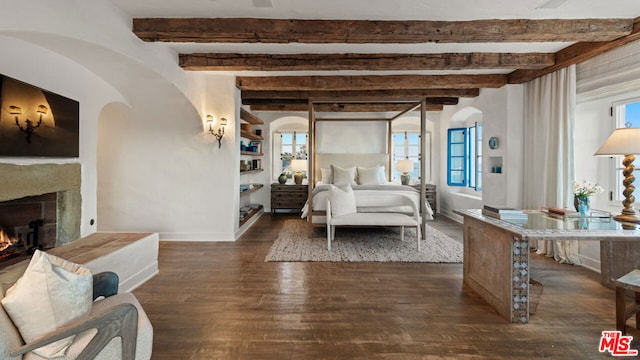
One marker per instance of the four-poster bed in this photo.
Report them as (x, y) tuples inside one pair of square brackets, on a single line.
[(324, 166)]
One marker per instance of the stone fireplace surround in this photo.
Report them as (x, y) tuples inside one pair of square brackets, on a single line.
[(18, 181)]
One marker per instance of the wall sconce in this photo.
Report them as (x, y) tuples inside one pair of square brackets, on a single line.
[(220, 133), (28, 127)]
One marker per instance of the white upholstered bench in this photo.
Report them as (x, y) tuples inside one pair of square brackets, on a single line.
[(376, 219)]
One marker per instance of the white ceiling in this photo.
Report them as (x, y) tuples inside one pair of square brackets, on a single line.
[(447, 10), (382, 9)]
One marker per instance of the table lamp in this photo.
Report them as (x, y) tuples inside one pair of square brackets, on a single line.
[(405, 166), (624, 142), (298, 165)]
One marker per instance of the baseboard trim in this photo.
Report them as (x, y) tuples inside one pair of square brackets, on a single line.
[(589, 263), (139, 278), (197, 236)]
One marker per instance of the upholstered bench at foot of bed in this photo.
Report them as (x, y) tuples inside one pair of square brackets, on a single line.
[(372, 219)]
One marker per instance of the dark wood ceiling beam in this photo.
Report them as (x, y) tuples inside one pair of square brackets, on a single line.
[(576, 53), (369, 82), (350, 107), (371, 62), (252, 30), (430, 101), (361, 94)]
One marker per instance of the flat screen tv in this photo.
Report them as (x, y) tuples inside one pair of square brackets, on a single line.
[(35, 122)]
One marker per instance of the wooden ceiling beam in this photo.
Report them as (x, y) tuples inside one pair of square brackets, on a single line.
[(370, 62), (350, 107), (430, 101), (361, 94), (370, 82), (576, 53), (252, 30)]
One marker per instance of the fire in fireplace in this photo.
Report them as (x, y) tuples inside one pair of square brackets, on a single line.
[(15, 245), (27, 224), (11, 245)]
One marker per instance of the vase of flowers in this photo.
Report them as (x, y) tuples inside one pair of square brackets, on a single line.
[(582, 193)]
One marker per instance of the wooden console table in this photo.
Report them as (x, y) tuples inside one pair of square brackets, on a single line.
[(496, 253)]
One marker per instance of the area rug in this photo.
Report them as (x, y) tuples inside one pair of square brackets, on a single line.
[(299, 242)]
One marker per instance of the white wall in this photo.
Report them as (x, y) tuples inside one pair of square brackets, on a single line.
[(44, 68), (157, 169), (501, 116)]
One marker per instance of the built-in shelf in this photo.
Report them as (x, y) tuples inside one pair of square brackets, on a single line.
[(250, 136), (251, 153), (251, 159), (251, 214), (250, 171), (495, 164), (256, 187), (250, 118)]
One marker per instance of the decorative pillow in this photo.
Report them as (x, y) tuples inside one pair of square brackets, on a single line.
[(342, 177), (326, 175), (369, 176), (383, 174), (51, 293), (343, 200)]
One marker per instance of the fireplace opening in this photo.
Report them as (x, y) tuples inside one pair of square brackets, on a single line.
[(27, 224)]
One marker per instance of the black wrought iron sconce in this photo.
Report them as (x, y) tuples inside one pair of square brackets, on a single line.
[(28, 127), (217, 133)]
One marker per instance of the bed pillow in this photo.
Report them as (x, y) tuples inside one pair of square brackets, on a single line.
[(326, 175), (51, 293), (369, 176), (383, 174), (342, 176), (343, 200)]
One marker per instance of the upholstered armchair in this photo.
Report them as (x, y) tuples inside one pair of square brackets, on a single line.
[(115, 327), (119, 318)]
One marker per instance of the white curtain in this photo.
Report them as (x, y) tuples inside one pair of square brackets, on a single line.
[(549, 161)]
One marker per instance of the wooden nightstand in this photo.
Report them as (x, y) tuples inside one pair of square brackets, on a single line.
[(290, 197), (430, 195)]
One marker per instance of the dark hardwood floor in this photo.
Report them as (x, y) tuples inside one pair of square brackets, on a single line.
[(223, 301)]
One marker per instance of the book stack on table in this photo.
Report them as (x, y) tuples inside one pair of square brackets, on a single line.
[(569, 213), (504, 213)]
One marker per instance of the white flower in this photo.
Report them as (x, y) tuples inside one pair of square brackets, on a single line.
[(586, 189)]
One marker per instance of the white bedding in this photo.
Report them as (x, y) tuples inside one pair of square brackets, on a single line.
[(369, 198)]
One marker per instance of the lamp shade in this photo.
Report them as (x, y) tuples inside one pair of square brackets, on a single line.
[(623, 141), (298, 165), (405, 165)]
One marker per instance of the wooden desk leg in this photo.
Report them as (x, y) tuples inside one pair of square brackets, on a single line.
[(636, 305), (621, 310)]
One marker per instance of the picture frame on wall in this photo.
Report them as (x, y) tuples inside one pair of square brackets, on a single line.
[(35, 122)]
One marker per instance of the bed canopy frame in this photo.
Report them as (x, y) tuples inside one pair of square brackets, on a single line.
[(411, 105)]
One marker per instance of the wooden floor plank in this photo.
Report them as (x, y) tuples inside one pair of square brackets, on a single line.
[(223, 301)]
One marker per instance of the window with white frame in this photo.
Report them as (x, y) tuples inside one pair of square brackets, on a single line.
[(406, 145), (627, 114), (464, 157), (289, 145)]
